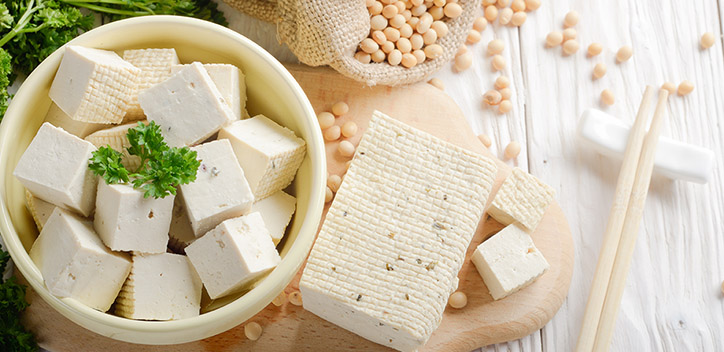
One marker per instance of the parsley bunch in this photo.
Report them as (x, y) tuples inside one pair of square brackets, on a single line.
[(162, 168), (13, 336)]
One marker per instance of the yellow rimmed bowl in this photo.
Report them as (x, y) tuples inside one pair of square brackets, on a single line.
[(271, 90)]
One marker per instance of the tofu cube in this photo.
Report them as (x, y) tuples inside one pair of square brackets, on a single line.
[(75, 263), (277, 211), (94, 85), (57, 117), (155, 66), (220, 191), (270, 154), (180, 234), (231, 84), (54, 168), (522, 198), (126, 221), (39, 209), (509, 261), (161, 287), (115, 138), (233, 254), (187, 106)]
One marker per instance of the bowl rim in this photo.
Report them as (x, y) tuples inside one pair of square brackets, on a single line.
[(276, 281)]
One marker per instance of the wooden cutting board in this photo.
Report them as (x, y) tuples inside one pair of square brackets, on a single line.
[(290, 328)]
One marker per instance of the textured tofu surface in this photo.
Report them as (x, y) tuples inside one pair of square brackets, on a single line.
[(155, 66), (220, 191), (233, 254), (187, 106), (54, 168), (387, 256), (269, 153), (39, 209), (115, 137), (160, 287), (94, 85), (522, 198), (277, 211), (509, 261), (75, 263)]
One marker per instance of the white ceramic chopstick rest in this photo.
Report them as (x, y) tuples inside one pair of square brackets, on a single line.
[(676, 160)]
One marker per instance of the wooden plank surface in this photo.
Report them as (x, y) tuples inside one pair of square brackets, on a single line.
[(290, 328), (673, 299)]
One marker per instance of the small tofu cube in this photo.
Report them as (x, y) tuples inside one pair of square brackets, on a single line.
[(161, 287), (231, 84), (220, 191), (180, 233), (522, 198), (187, 106), (126, 221), (233, 254), (277, 211), (57, 117), (39, 209), (75, 263), (115, 137), (54, 168), (94, 85), (155, 66), (270, 154), (509, 261)]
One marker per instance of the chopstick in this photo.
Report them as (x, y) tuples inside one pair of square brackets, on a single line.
[(622, 228), (615, 224), (630, 231)]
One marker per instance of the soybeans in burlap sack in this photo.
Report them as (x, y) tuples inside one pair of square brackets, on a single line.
[(328, 32)]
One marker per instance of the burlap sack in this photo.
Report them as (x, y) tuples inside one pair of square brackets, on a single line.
[(327, 32)]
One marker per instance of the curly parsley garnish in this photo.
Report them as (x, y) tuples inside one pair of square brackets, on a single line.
[(13, 336), (162, 168)]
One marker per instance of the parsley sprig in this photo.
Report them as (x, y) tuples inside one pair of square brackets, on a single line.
[(13, 336), (162, 168)]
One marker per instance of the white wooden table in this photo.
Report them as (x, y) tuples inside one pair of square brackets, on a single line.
[(673, 300)]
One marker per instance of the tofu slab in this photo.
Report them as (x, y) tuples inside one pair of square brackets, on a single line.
[(522, 198), (231, 84), (277, 211), (160, 287), (509, 261), (387, 256), (188, 106), (127, 221), (54, 168), (233, 254), (75, 263), (58, 118), (39, 209), (269, 153), (155, 66), (94, 85), (220, 191)]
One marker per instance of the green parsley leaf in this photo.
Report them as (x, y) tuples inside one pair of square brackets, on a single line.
[(13, 336), (107, 163), (146, 141)]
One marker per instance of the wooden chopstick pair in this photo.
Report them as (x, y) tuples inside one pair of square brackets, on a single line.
[(622, 228)]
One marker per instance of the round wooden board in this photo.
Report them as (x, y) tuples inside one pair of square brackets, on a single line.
[(291, 328)]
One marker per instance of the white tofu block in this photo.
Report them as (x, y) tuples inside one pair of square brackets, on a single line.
[(270, 154), (509, 261), (155, 66), (126, 221), (388, 254), (233, 254), (522, 198), (231, 84), (180, 233), (220, 191), (39, 209), (187, 106), (94, 85), (161, 287), (277, 211), (54, 168), (57, 117), (115, 137), (75, 263)]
